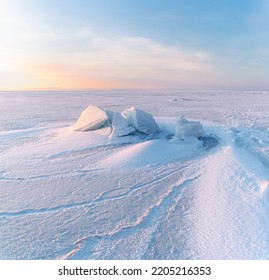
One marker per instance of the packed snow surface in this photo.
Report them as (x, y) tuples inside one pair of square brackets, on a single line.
[(71, 194)]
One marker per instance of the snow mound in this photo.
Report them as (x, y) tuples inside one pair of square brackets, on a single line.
[(92, 118), (141, 121), (149, 153), (186, 129), (120, 126)]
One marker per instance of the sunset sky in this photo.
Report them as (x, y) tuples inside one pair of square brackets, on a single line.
[(186, 44)]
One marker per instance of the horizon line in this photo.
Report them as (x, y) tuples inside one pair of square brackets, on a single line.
[(121, 89)]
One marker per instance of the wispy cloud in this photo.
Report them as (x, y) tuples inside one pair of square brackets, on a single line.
[(85, 58), (79, 51), (123, 61)]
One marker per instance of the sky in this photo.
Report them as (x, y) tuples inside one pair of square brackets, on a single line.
[(103, 44)]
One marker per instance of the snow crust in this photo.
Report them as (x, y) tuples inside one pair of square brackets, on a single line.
[(91, 118)]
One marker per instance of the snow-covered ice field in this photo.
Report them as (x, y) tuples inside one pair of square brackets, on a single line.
[(68, 194)]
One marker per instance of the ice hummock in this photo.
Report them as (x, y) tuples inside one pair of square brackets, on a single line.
[(92, 118), (141, 120), (186, 129), (120, 126)]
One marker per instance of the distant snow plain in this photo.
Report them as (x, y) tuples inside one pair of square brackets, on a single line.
[(82, 195)]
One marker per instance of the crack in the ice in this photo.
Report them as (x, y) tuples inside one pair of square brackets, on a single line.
[(148, 215), (99, 200), (49, 175)]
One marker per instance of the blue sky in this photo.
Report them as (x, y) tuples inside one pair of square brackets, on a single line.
[(195, 44)]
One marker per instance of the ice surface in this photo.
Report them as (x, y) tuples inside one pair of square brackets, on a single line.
[(120, 126), (78, 195), (186, 128), (140, 120), (91, 118), (110, 114)]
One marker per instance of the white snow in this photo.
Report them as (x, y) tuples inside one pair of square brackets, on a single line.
[(69, 194), (91, 118), (150, 153), (140, 120), (186, 128), (264, 188), (120, 126)]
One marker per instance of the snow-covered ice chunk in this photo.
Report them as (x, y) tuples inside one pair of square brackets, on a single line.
[(185, 129), (141, 121), (120, 126), (110, 114), (91, 118)]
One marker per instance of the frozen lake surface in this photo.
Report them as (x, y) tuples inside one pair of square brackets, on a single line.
[(81, 195)]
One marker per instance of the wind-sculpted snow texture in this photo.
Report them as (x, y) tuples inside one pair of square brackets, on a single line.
[(69, 194)]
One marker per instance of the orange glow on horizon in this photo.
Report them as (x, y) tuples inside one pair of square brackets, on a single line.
[(55, 77), (50, 76)]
